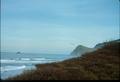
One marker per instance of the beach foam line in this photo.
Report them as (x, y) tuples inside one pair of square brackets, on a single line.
[(25, 61), (9, 68)]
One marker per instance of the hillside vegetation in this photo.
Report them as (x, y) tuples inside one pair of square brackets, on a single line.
[(102, 64)]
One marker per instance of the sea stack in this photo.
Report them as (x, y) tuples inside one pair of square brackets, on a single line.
[(18, 53)]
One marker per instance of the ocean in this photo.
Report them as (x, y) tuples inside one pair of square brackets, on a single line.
[(13, 64)]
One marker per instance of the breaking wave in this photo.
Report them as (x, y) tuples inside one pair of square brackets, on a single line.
[(9, 68)]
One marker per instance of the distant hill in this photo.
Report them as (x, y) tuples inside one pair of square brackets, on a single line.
[(79, 50)]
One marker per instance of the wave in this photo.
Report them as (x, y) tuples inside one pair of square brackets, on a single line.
[(37, 59), (26, 60), (7, 60), (9, 68)]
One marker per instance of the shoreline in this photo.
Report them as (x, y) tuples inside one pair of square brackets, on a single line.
[(27, 68)]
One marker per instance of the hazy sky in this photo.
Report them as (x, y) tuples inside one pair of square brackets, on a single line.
[(57, 26)]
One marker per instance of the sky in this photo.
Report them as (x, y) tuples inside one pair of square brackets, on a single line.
[(57, 26)]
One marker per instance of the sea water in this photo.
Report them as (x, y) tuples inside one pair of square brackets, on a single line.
[(13, 64)]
